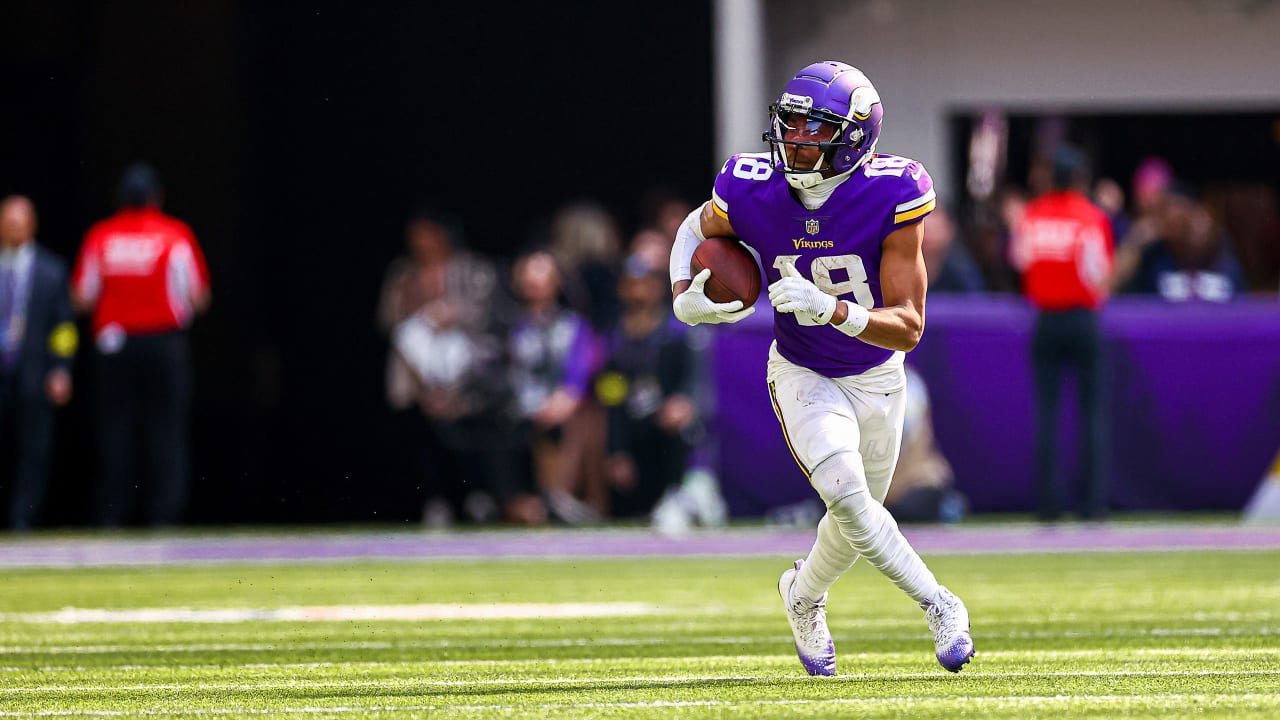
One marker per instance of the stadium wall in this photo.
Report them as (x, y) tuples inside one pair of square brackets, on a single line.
[(1194, 392)]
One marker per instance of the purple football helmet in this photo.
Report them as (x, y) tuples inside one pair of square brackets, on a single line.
[(832, 93)]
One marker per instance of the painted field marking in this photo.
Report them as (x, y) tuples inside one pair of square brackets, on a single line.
[(1038, 701), (202, 686), (335, 613), (534, 611), (615, 663), (501, 643)]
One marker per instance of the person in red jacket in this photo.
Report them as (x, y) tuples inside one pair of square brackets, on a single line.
[(1064, 250), (143, 277)]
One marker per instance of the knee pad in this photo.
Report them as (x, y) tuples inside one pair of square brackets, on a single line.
[(841, 481)]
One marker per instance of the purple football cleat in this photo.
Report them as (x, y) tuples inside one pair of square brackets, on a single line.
[(808, 620), (949, 621)]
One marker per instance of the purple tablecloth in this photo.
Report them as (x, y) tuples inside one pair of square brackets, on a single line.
[(1195, 394)]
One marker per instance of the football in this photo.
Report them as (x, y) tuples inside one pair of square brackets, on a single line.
[(735, 275)]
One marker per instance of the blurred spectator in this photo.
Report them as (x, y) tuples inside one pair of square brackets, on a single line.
[(664, 211), (1151, 183), (663, 214), (647, 385), (653, 246), (37, 342), (923, 486), (142, 275), (1063, 247), (550, 356), (950, 267), (438, 307), (1250, 214), (586, 246), (1109, 197), (1189, 258), (698, 497), (993, 225)]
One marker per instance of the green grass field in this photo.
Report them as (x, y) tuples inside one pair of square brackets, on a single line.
[(1101, 635)]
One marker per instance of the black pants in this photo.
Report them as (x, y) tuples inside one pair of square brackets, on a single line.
[(1070, 340), (660, 459), (491, 455), (146, 387), (26, 436)]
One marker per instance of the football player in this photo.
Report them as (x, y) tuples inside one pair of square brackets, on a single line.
[(838, 228)]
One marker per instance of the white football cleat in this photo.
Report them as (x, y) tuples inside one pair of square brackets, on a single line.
[(808, 620), (949, 621)]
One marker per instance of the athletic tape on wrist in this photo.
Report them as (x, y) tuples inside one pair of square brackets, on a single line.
[(856, 321)]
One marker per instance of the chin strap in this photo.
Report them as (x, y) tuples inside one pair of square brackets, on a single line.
[(804, 181)]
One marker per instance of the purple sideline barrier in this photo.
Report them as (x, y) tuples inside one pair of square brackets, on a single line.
[(1195, 394)]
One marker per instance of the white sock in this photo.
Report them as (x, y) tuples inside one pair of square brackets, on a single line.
[(830, 557), (873, 532)]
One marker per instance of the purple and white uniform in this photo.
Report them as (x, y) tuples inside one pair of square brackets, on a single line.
[(836, 246)]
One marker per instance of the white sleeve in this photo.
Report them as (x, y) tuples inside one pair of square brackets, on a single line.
[(688, 238)]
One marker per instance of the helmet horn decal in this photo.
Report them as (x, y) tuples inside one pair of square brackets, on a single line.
[(862, 101)]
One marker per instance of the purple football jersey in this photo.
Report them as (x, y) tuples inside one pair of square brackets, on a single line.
[(836, 246)]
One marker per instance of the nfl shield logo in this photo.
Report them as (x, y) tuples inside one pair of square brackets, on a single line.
[(811, 227)]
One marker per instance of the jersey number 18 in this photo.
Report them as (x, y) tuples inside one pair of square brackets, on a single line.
[(820, 273)]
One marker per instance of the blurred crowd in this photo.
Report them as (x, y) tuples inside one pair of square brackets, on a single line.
[(558, 388), (1171, 242), (550, 387)]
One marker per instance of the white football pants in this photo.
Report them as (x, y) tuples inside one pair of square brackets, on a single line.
[(846, 439)]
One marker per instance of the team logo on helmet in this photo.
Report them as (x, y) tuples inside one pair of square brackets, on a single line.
[(862, 100), (795, 103), (811, 226)]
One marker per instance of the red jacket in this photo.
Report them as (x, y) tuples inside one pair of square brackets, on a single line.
[(143, 270), (1064, 249)]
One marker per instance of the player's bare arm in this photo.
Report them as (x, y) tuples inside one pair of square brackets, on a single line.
[(900, 323)]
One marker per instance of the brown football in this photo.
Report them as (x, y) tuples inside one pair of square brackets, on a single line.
[(735, 275)]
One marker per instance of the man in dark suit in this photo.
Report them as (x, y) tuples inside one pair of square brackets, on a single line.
[(37, 342)]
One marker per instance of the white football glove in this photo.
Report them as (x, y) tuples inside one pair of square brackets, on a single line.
[(794, 294), (693, 307)]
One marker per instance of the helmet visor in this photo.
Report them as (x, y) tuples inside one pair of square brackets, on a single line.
[(798, 127)]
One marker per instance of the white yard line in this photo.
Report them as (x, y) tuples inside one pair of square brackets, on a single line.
[(523, 611), (1039, 702), (203, 686), (615, 663), (503, 643), (335, 613)]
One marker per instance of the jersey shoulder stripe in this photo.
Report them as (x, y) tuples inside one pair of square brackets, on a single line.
[(913, 209), (912, 187), (719, 205)]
